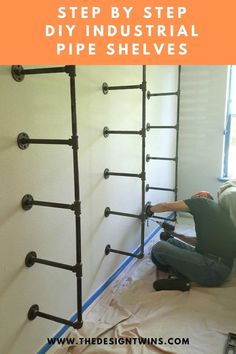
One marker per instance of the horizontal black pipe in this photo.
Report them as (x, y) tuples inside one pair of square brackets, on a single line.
[(18, 72), (53, 205), (106, 87), (60, 69), (110, 212), (54, 264), (47, 141), (160, 189), (34, 312), (108, 250), (28, 201), (148, 158), (127, 87), (55, 319), (107, 173), (125, 214), (31, 258), (50, 141), (149, 94), (23, 141), (124, 132), (106, 132), (149, 126)]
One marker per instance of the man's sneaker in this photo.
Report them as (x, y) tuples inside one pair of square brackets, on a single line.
[(172, 284)]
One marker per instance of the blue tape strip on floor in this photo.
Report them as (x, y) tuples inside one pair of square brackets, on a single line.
[(99, 291)]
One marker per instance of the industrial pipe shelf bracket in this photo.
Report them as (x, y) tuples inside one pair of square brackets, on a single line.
[(108, 212), (34, 312), (109, 250), (31, 258), (23, 141), (28, 201), (106, 132), (176, 127), (18, 72), (107, 174), (106, 88)]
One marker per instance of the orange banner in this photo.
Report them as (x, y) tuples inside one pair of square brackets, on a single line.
[(118, 32)]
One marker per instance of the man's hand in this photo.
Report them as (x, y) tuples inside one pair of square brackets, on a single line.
[(148, 211)]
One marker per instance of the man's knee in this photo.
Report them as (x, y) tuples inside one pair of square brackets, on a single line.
[(159, 249)]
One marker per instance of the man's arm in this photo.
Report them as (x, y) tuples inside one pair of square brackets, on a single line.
[(173, 206), (191, 240)]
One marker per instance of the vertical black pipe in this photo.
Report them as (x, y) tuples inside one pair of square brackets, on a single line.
[(76, 193), (177, 133), (144, 89)]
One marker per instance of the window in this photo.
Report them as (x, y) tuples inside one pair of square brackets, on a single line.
[(229, 163)]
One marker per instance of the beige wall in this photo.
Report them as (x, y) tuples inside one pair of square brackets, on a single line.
[(40, 106)]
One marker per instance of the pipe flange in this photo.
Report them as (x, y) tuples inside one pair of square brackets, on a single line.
[(148, 95), (106, 173), (33, 312), (107, 249), (27, 202), (107, 212), (22, 141), (147, 158), (147, 187), (148, 127), (106, 132), (16, 72), (105, 88), (30, 259)]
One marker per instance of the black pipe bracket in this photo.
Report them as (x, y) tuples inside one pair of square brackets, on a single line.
[(106, 173), (16, 72), (105, 88), (147, 158), (27, 202), (23, 141), (33, 312), (105, 132), (107, 249), (30, 259), (107, 212)]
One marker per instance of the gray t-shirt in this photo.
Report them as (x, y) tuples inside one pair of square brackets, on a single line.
[(215, 231)]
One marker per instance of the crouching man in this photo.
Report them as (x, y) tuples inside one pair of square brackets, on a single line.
[(210, 261)]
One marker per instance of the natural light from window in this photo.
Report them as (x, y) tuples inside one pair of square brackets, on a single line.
[(230, 130)]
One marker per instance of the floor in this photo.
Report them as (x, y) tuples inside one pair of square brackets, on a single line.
[(130, 308)]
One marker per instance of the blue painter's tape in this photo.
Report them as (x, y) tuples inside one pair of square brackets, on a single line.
[(99, 291)]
